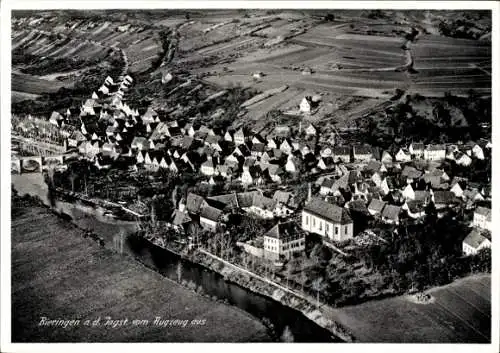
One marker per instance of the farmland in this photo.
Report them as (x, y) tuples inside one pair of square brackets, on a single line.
[(363, 54), (460, 312), (57, 273)]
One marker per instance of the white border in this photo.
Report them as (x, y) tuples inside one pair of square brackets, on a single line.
[(5, 97)]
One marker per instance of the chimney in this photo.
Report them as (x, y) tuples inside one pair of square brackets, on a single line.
[(309, 192)]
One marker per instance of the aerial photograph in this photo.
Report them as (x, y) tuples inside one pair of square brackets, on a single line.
[(251, 175)]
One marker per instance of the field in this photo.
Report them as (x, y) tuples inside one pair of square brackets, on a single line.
[(58, 274), (449, 64), (461, 313), (23, 83), (357, 54)]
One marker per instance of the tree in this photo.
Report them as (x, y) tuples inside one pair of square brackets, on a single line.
[(318, 285), (287, 335), (179, 271), (320, 254), (72, 178)]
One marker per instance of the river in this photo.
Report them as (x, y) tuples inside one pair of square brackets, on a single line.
[(168, 264)]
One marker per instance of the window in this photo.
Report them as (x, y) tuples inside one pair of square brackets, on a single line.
[(326, 227), (320, 225), (314, 222), (336, 230), (345, 229), (307, 220)]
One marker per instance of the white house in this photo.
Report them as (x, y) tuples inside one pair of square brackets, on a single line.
[(305, 105), (435, 153), (457, 190), (416, 150), (482, 218), (327, 220), (403, 155), (474, 242), (409, 193), (283, 240)]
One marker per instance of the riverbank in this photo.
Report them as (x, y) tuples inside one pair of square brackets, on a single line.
[(58, 274), (85, 217), (263, 286)]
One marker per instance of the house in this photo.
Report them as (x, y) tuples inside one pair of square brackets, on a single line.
[(140, 143), (327, 220), (228, 137), (482, 218), (56, 118), (327, 186), (311, 130), (377, 179), (286, 147), (293, 165), (208, 168), (306, 104), (457, 189), (376, 207), (386, 158), (374, 167), (275, 172), (250, 176), (342, 154), (271, 143), (210, 218), (150, 116), (462, 159), (188, 130), (414, 208), (409, 193), (435, 153), (283, 240), (443, 199), (257, 149), (326, 163), (403, 155), (474, 242), (477, 151), (192, 204), (262, 207), (388, 184), (239, 137), (411, 174), (180, 220), (285, 203), (416, 150), (390, 214), (362, 153)]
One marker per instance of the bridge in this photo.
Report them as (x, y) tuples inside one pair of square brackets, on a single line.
[(37, 146), (37, 164)]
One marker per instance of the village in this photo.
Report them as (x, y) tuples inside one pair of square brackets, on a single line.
[(289, 180)]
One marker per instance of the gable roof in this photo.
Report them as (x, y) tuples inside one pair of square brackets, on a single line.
[(474, 239), (180, 218), (483, 211), (376, 205), (391, 212), (194, 203), (328, 211), (285, 231), (210, 213)]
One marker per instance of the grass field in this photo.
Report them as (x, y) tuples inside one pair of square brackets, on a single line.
[(58, 274), (461, 313), (34, 85)]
